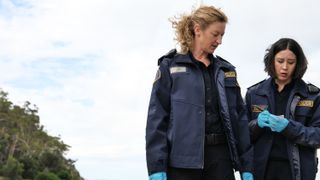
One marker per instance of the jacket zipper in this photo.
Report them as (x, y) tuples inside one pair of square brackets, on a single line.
[(203, 114), (204, 123), (295, 149)]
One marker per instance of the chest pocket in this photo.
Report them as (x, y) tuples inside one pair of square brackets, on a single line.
[(186, 85), (180, 81), (303, 114), (230, 82), (231, 87)]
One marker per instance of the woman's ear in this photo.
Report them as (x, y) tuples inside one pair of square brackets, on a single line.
[(196, 29)]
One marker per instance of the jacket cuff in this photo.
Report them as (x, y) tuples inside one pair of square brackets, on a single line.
[(290, 130), (255, 130), (246, 160), (160, 166)]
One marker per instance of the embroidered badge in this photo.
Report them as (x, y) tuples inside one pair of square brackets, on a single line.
[(258, 108), (178, 69), (305, 103), (230, 74), (158, 76)]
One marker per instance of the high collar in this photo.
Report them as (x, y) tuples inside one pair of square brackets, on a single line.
[(299, 87), (287, 87), (217, 61)]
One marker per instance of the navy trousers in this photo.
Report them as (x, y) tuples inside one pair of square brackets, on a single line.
[(217, 166)]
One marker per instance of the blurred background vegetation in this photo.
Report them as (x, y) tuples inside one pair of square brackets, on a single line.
[(26, 150)]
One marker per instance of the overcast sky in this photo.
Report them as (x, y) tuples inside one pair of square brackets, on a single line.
[(89, 65)]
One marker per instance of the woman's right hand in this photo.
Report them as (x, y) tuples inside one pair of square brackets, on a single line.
[(263, 119)]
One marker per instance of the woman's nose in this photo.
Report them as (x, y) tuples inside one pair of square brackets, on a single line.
[(219, 40), (284, 65)]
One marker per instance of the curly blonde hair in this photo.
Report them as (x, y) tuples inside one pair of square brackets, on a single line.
[(184, 24)]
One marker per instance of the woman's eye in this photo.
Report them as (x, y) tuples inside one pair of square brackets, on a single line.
[(291, 62)]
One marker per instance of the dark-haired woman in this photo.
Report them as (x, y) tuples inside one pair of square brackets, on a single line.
[(284, 117)]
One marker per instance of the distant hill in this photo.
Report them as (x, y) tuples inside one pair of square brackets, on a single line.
[(26, 150)]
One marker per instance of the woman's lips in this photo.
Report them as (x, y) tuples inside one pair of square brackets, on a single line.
[(283, 74)]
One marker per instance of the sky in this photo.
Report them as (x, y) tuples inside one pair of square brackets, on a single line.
[(89, 65)]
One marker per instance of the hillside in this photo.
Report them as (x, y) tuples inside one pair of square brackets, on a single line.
[(26, 149)]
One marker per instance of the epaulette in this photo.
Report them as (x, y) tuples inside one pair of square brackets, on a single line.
[(312, 88), (170, 54), (257, 84), (221, 58), (225, 61)]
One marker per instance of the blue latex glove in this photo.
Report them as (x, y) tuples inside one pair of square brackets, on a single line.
[(158, 176), (263, 119), (247, 176), (278, 123)]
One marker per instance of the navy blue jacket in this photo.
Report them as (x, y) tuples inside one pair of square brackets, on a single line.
[(302, 133), (175, 131)]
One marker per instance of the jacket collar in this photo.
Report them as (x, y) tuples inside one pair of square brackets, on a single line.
[(301, 88), (219, 62), (265, 88), (183, 58), (298, 88), (223, 63)]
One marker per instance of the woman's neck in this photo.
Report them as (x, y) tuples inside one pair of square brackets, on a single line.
[(201, 56), (281, 84)]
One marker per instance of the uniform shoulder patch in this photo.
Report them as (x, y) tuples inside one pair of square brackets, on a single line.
[(230, 74), (170, 54), (305, 103), (259, 108), (312, 88)]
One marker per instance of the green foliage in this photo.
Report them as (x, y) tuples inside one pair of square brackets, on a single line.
[(26, 150), (46, 176), (30, 167), (12, 169), (52, 161), (64, 175)]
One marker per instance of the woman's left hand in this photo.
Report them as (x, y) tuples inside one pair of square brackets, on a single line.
[(247, 176)]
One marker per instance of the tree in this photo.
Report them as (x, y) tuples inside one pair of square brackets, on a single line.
[(26, 150), (46, 176), (12, 169)]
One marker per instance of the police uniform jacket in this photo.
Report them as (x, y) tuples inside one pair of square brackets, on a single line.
[(175, 131), (302, 133)]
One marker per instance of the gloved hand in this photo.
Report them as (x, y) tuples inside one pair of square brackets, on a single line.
[(247, 176), (158, 176), (278, 123), (263, 119)]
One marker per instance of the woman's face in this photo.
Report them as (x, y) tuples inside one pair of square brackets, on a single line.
[(211, 37), (284, 63)]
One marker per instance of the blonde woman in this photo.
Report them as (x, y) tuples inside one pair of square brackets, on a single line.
[(197, 127)]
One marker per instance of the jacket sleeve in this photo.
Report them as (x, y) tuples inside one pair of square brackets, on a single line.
[(255, 130), (245, 147), (306, 135), (157, 122)]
